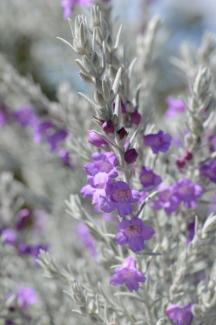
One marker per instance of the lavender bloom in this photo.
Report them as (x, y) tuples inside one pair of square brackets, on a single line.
[(179, 315), (175, 106), (68, 5), (102, 162), (128, 275), (133, 232), (25, 297), (86, 238), (158, 142), (25, 117), (188, 192), (118, 196), (95, 139), (208, 170), (8, 236), (149, 179), (166, 199)]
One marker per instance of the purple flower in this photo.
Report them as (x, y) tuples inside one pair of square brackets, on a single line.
[(25, 297), (95, 189), (108, 127), (133, 232), (212, 143), (128, 275), (208, 170), (24, 219), (25, 117), (190, 231), (64, 156), (68, 5), (102, 162), (188, 192), (8, 236), (56, 138), (130, 156), (149, 179), (95, 139), (166, 199), (179, 315), (175, 106), (86, 238), (42, 130), (158, 142), (118, 196), (31, 250)]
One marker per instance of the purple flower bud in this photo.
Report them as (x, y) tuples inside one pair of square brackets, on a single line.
[(128, 275), (158, 142), (122, 133), (212, 143), (190, 231), (108, 127), (95, 139), (133, 232), (179, 315), (130, 156), (24, 219), (135, 118)]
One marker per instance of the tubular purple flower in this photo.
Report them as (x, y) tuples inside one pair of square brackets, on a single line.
[(118, 196), (158, 142), (133, 232), (128, 275), (102, 162), (149, 179), (208, 170), (175, 106), (25, 297), (188, 192), (179, 315), (166, 199)]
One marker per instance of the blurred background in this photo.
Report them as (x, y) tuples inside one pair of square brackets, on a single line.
[(29, 29)]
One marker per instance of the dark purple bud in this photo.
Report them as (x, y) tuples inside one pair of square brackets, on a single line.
[(188, 156), (180, 163), (108, 127), (135, 118), (130, 156), (122, 133)]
